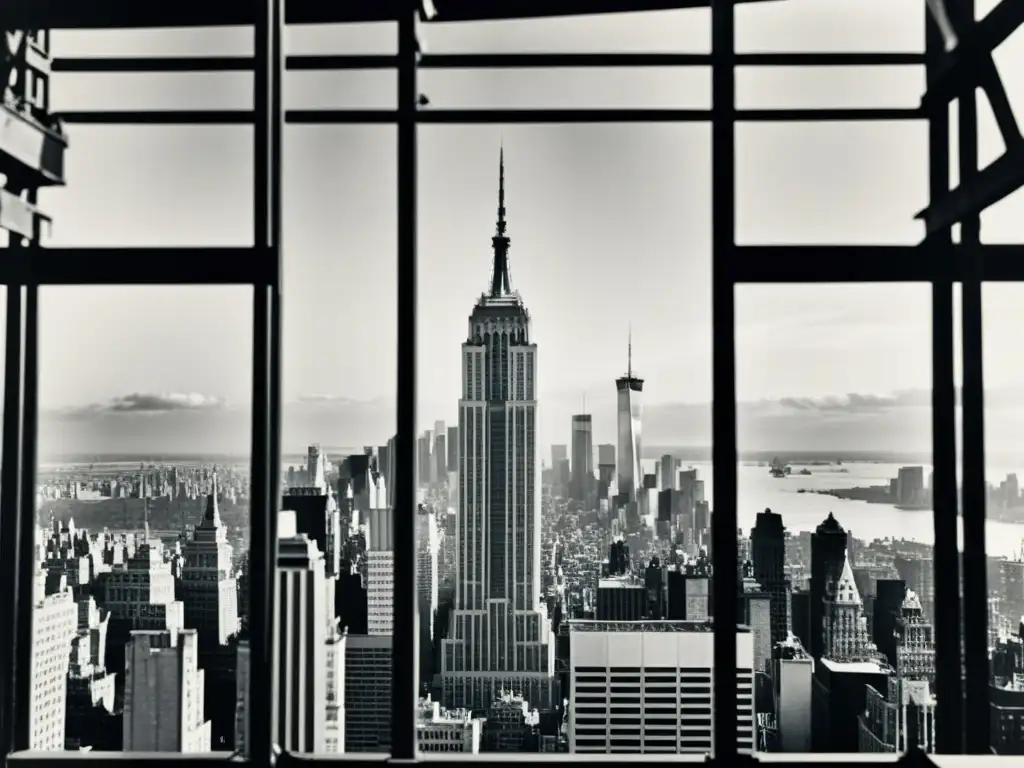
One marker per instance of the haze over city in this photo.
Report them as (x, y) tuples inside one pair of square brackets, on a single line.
[(590, 209)]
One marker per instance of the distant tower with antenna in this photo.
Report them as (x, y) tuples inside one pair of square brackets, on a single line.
[(581, 479), (629, 409)]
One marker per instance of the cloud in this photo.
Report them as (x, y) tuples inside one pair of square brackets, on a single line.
[(852, 402), (147, 403)]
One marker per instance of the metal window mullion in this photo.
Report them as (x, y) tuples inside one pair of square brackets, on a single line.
[(405, 660), (975, 588), (266, 384), (10, 505), (946, 559), (24, 619), (723, 228)]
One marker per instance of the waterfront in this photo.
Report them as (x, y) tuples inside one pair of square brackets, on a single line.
[(804, 511)]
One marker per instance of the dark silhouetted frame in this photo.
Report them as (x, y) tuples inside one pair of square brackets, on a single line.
[(936, 260)]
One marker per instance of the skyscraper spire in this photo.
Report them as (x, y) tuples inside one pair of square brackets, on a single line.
[(629, 359), (500, 283)]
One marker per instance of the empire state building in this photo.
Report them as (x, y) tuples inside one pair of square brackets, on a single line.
[(500, 638)]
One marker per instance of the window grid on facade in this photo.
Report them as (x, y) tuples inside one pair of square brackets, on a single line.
[(937, 261)]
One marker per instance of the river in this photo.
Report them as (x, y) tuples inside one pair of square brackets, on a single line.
[(804, 511)]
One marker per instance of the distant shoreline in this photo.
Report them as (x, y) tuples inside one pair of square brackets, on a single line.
[(651, 453)]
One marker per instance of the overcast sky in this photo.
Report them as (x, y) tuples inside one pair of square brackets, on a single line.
[(610, 226)]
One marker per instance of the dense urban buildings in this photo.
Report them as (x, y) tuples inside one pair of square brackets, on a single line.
[(562, 607)]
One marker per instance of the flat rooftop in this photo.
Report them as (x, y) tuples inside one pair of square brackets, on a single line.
[(664, 625), (856, 667)]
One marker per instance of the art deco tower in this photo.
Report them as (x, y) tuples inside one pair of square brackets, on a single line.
[(630, 412), (500, 637), (210, 592)]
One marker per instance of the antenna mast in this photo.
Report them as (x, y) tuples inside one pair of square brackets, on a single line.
[(629, 364)]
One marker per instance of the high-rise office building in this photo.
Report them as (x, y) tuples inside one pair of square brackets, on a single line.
[(243, 665), (368, 680), (500, 637), (427, 550), (209, 590), (163, 693), (665, 664), (54, 627), (300, 627), (582, 457), (828, 556), (559, 453), (424, 445), (768, 550), (667, 469), (452, 444), (630, 412), (439, 453), (380, 572)]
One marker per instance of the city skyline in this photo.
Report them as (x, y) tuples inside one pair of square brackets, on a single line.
[(583, 202)]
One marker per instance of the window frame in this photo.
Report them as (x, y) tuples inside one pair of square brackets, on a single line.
[(936, 260)]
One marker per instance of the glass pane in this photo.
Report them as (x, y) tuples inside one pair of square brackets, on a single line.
[(822, 183), (336, 534), (834, 410), (829, 88), (570, 519), (677, 31), (839, 25), (568, 88), (143, 517), (153, 186), (1004, 532)]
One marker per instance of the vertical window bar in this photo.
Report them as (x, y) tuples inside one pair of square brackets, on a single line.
[(26, 557), (404, 657), (723, 537), (10, 506), (975, 602), (266, 400), (946, 559)]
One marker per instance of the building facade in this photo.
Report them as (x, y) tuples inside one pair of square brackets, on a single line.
[(646, 687), (629, 410), (500, 636)]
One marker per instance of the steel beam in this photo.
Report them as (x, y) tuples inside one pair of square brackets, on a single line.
[(404, 655), (777, 264), (948, 674), (724, 554), (113, 14), (998, 180), (266, 373), (137, 266), (344, 62), (976, 44), (19, 216), (10, 517)]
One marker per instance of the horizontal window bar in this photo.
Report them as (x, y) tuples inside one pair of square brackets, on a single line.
[(832, 114), (340, 116), (124, 14), (485, 116), (862, 264), (139, 266), (38, 759), (313, 62), (159, 117)]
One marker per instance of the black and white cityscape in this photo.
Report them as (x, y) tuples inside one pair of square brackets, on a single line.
[(564, 591), (565, 490)]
